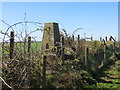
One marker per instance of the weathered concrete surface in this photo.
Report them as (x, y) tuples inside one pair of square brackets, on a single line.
[(51, 36)]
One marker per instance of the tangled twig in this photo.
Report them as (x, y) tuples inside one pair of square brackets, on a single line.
[(6, 83)]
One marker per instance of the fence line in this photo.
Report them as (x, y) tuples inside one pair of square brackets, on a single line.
[(62, 45)]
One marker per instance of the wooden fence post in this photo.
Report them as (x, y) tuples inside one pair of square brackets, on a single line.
[(78, 45), (86, 55), (91, 38), (104, 51), (111, 38), (62, 45), (78, 39), (73, 38), (104, 54), (11, 44), (100, 38), (104, 42), (114, 47), (29, 45), (78, 42), (106, 38), (119, 46), (44, 71)]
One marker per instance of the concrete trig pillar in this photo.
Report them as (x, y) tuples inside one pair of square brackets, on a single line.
[(51, 36)]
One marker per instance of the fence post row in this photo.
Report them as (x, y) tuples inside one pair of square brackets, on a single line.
[(11, 44)]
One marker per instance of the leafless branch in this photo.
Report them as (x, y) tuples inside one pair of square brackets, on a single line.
[(6, 83)]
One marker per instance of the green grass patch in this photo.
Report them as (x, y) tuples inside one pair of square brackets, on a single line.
[(107, 85)]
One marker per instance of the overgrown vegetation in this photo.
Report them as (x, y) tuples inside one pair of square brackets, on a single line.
[(86, 64)]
